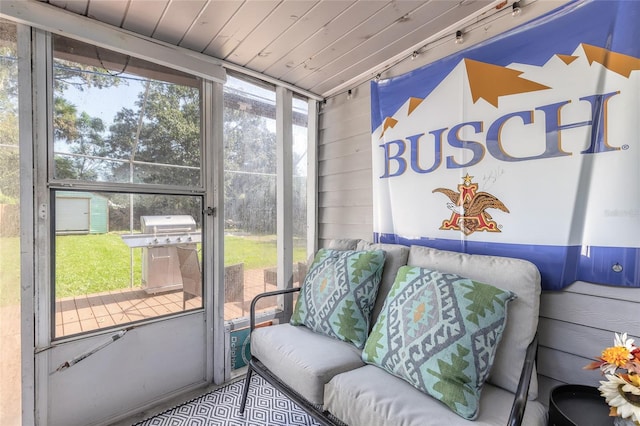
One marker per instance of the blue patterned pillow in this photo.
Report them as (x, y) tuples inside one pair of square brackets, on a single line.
[(439, 332), (338, 294)]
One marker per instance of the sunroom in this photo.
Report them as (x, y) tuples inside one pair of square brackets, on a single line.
[(163, 162)]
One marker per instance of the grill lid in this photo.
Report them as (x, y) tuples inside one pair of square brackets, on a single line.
[(164, 231), (164, 224)]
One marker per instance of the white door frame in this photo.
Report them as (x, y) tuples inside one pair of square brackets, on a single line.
[(27, 219)]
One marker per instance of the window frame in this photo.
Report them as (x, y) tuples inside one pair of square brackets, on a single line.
[(53, 185), (119, 186)]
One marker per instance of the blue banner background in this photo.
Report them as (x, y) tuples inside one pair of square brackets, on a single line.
[(613, 25)]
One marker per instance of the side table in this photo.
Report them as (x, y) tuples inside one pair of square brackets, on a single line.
[(578, 405)]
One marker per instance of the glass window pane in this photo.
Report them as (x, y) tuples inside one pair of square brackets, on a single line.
[(121, 119), (10, 403), (122, 258), (300, 137), (250, 193)]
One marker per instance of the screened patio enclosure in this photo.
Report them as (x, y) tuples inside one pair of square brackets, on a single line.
[(256, 124)]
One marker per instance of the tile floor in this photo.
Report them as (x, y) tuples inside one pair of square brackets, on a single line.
[(91, 312)]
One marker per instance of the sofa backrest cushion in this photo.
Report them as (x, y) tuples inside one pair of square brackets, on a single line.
[(343, 244), (395, 256), (439, 332), (516, 275), (338, 294)]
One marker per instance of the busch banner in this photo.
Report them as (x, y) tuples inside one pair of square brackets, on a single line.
[(525, 146)]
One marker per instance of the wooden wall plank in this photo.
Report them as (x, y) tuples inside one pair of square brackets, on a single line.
[(111, 12), (345, 198), (273, 27), (358, 179), (354, 145), (628, 294), (177, 20), (322, 13), (143, 16), (333, 230), (566, 367), (238, 27), (575, 325), (352, 126), (593, 311), (384, 25), (347, 215), (330, 33), (211, 19), (373, 51), (339, 107), (573, 338), (340, 165), (79, 6)]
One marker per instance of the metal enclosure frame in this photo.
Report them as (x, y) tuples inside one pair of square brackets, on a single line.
[(35, 132)]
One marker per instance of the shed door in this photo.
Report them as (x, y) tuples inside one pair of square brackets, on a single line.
[(73, 215)]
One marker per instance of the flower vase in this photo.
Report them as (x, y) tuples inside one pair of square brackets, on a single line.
[(619, 421)]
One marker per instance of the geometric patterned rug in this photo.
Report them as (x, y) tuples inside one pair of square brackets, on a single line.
[(265, 406)]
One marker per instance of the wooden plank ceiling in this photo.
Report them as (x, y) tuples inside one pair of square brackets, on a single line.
[(320, 46)]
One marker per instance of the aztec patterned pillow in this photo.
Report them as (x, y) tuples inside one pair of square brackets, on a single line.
[(338, 294), (439, 332)]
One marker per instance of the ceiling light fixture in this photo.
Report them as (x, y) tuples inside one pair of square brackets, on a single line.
[(414, 55), (459, 37), (349, 94)]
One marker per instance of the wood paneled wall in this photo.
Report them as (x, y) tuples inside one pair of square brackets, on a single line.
[(345, 205), (576, 324)]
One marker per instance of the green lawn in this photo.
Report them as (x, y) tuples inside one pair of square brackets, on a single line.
[(88, 264), (256, 252)]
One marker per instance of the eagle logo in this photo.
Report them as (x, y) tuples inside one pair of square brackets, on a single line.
[(468, 208)]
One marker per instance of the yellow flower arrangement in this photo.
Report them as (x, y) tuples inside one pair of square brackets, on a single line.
[(620, 364)]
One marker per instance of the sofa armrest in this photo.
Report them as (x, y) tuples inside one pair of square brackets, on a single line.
[(520, 400), (252, 309)]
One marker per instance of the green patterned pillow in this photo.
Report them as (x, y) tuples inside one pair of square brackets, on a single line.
[(338, 294), (439, 332)]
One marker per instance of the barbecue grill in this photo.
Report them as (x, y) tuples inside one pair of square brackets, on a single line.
[(160, 237)]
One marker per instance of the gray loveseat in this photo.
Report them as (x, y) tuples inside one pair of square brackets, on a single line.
[(330, 379)]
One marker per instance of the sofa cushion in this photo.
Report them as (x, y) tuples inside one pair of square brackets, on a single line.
[(516, 275), (302, 359), (338, 294), (439, 332), (369, 396), (395, 256)]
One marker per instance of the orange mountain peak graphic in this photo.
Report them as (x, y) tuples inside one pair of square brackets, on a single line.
[(616, 62), (413, 104), (567, 59), (490, 81), (388, 122)]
